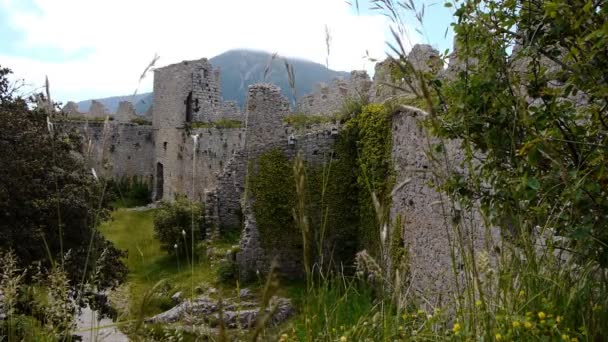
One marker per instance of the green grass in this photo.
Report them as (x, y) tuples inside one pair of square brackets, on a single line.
[(302, 121), (141, 121), (133, 231), (222, 123), (82, 118)]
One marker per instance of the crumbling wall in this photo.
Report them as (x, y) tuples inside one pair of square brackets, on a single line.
[(71, 109), (329, 99), (266, 108), (193, 169), (316, 149), (97, 110), (426, 215), (115, 150), (189, 92), (125, 112), (380, 89)]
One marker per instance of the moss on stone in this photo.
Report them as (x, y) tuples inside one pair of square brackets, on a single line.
[(301, 121), (273, 189), (340, 209)]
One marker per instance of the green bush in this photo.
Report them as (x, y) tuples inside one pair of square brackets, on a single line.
[(130, 192), (222, 123), (141, 121), (227, 271), (177, 225)]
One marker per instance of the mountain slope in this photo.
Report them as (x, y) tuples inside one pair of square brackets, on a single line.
[(111, 103), (238, 70)]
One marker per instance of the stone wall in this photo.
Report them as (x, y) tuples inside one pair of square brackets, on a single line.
[(226, 208), (426, 215), (71, 109), (329, 99), (118, 150), (379, 90), (316, 148), (97, 110), (125, 112), (190, 92), (175, 150)]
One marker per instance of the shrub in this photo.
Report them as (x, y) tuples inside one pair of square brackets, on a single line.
[(178, 224), (130, 192), (51, 203), (141, 121), (227, 271)]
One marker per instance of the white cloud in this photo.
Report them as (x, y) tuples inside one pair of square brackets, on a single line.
[(124, 35)]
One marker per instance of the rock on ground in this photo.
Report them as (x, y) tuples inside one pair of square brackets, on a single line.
[(235, 313)]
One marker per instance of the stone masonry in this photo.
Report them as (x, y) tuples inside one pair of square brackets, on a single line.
[(187, 151)]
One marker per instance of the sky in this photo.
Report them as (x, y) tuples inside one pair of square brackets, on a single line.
[(99, 48)]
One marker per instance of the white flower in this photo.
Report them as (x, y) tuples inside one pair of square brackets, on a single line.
[(175, 246), (49, 125), (183, 232), (94, 174), (384, 233)]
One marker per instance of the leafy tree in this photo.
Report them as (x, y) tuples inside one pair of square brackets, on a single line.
[(538, 115), (177, 223), (50, 204)]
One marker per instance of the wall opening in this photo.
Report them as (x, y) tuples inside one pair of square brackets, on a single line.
[(160, 181), (189, 107)]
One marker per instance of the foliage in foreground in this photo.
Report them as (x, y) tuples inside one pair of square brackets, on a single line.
[(532, 126), (50, 205), (177, 225)]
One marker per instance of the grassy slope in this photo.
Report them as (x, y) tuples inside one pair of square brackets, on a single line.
[(133, 231)]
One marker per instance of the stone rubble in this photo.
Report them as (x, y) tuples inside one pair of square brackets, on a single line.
[(234, 312)]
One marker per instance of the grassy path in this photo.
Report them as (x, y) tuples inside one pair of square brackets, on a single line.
[(133, 231)]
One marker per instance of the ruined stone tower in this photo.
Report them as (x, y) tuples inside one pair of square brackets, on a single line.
[(190, 148)]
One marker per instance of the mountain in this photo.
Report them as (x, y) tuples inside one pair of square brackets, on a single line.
[(241, 68), (238, 70), (111, 103)]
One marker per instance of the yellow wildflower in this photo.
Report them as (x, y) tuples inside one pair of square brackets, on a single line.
[(498, 337), (516, 324), (478, 303), (541, 315), (522, 293), (528, 325), (558, 319), (343, 339), (456, 327), (574, 339)]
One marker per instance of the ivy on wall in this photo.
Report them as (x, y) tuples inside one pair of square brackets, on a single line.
[(340, 209), (374, 170), (273, 188)]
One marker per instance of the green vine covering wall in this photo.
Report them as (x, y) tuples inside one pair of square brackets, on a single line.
[(340, 209), (374, 169), (273, 189)]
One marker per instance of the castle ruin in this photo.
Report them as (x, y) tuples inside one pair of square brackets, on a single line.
[(201, 146)]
